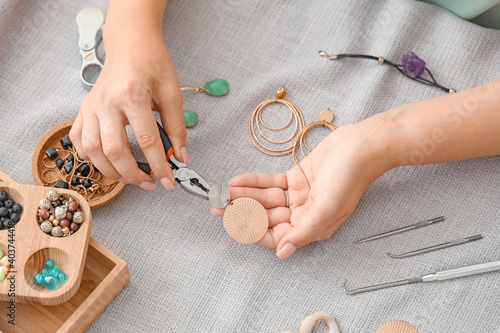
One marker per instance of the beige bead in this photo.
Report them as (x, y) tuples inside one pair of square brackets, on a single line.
[(60, 212), (52, 195), (46, 226), (45, 203), (55, 222), (78, 217), (4, 270), (65, 230), (5, 261), (52, 218)]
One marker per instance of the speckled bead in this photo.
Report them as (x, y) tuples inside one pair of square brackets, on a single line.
[(45, 204), (56, 231), (78, 217), (46, 226), (60, 212), (52, 195)]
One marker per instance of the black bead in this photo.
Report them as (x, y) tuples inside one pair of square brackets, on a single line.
[(8, 203), (7, 223), (1, 225), (59, 163), (75, 181), (84, 169), (87, 183), (3, 211), (3, 195), (62, 184), (15, 217), (1, 203), (66, 142), (10, 210), (51, 153), (68, 167), (70, 158), (17, 208)]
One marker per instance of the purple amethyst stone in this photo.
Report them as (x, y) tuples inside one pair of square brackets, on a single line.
[(413, 66)]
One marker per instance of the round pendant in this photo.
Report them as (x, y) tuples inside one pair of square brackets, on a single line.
[(396, 326), (246, 220), (216, 87), (190, 118), (219, 196)]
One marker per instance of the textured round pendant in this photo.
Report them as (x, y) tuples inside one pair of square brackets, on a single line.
[(190, 118), (219, 196), (246, 220), (216, 87), (396, 326)]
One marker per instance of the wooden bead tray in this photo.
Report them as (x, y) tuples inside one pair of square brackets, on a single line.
[(30, 247), (51, 139)]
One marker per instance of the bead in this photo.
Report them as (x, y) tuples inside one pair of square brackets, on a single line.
[(190, 118), (17, 208), (46, 226), (56, 231), (3, 195), (66, 142), (52, 195), (61, 196), (87, 183), (45, 204), (326, 116), (50, 263), (3, 211), (413, 66), (38, 279), (8, 203), (44, 213), (75, 181), (68, 167), (59, 163), (14, 217), (4, 270), (69, 216), (62, 277), (72, 206), (52, 218), (60, 212), (45, 272), (64, 223), (78, 217), (216, 87), (84, 170), (40, 220), (70, 158), (65, 230), (5, 261), (55, 223), (55, 272), (50, 282), (62, 184), (51, 153), (1, 253), (74, 226), (2, 276), (7, 223)]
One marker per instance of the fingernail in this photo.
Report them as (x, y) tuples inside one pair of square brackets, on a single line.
[(148, 186), (123, 180), (167, 183), (184, 154), (287, 250)]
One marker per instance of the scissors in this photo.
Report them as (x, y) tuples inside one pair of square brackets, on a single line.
[(188, 179), (90, 21)]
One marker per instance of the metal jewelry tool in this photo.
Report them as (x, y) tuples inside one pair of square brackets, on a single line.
[(437, 276), (188, 179), (90, 21), (437, 247), (397, 231)]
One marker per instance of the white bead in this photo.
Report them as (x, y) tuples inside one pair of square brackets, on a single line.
[(46, 226), (4, 270), (60, 212), (57, 231), (52, 195), (5, 261), (45, 203), (78, 217)]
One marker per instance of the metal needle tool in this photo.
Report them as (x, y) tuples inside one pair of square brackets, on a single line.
[(397, 231), (437, 247), (437, 276)]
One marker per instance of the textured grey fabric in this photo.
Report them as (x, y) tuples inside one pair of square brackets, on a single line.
[(187, 275)]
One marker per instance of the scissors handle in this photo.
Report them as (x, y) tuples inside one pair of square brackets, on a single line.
[(167, 146)]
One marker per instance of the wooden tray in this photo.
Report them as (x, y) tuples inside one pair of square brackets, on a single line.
[(51, 139), (104, 276), (32, 247)]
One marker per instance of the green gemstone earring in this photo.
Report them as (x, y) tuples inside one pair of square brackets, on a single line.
[(215, 87)]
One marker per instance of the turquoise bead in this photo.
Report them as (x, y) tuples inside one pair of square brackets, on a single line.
[(45, 272), (217, 87), (62, 277), (50, 263), (38, 279), (50, 282), (190, 118), (55, 272)]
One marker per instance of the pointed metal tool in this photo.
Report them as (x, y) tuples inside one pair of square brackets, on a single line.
[(437, 247), (403, 229), (437, 276)]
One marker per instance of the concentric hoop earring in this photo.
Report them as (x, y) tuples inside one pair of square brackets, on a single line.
[(256, 118), (325, 120)]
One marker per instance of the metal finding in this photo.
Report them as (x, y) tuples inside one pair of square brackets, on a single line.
[(437, 247)]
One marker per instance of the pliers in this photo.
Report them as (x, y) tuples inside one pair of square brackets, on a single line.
[(188, 179)]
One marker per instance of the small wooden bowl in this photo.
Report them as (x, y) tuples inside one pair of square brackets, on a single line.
[(29, 246), (51, 139)]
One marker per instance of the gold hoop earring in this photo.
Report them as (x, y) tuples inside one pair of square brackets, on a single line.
[(257, 119), (325, 120)]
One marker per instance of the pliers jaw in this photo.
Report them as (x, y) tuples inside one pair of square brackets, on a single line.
[(188, 179)]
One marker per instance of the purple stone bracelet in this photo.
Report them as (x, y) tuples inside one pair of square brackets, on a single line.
[(413, 66)]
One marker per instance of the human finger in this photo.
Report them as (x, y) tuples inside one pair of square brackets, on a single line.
[(260, 180)]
